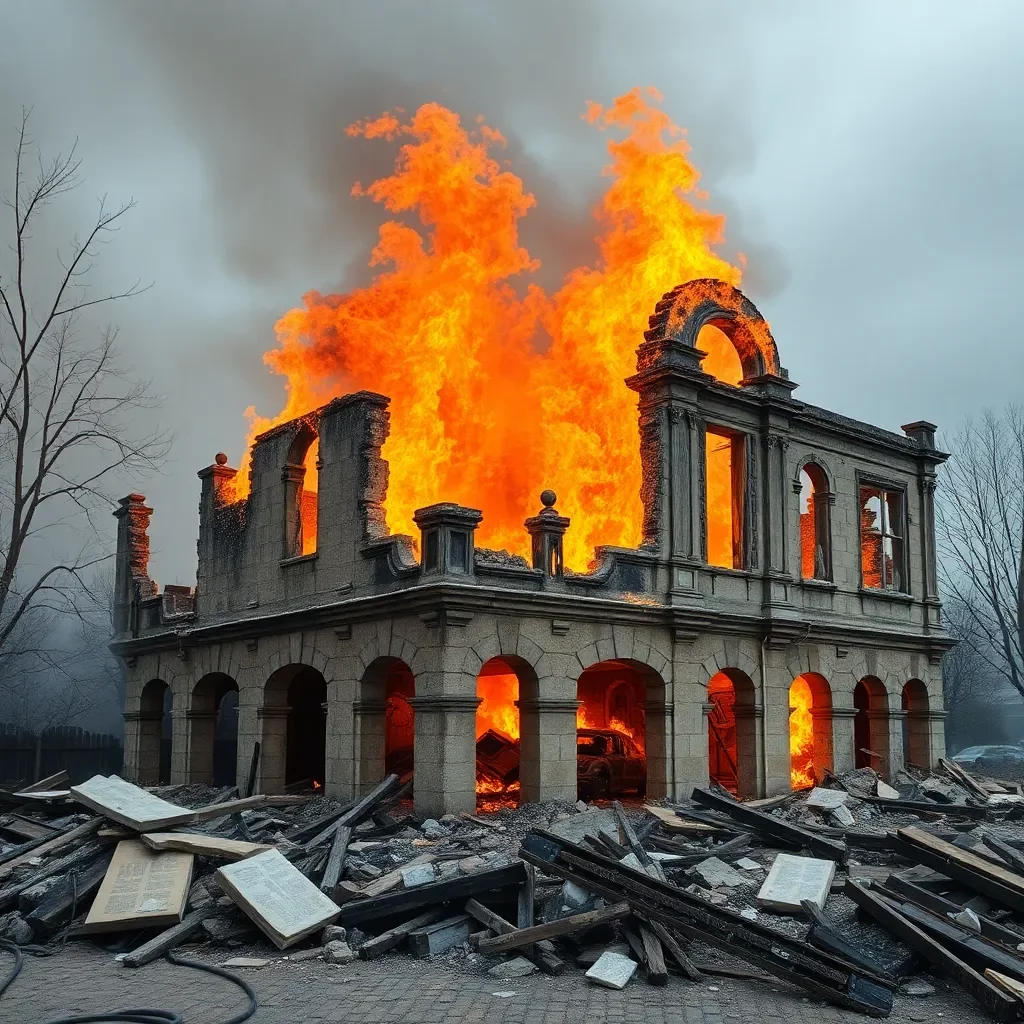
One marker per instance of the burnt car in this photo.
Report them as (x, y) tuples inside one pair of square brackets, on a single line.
[(607, 764)]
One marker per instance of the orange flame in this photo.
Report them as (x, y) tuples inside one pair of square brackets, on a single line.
[(479, 414), (588, 718), (801, 734), (498, 710)]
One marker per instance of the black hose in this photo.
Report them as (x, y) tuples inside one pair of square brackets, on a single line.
[(142, 1016)]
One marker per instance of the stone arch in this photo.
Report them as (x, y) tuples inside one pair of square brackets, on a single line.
[(871, 725), (294, 727), (155, 733), (508, 691), (213, 730), (916, 723), (301, 490), (732, 714), (385, 720), (810, 729), (682, 313), (391, 645), (643, 764)]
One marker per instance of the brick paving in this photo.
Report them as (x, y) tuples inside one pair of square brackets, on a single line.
[(399, 990)]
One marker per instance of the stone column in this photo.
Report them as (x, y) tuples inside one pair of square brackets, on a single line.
[(340, 781), (179, 746), (880, 740), (249, 698), (937, 734), (369, 718), (131, 564), (200, 726), (273, 721), (658, 715), (292, 478), (762, 771), (132, 745), (823, 755), (843, 749), (445, 753), (150, 727), (897, 755), (547, 745)]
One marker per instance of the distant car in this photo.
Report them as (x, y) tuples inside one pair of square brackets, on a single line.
[(994, 752), (608, 763)]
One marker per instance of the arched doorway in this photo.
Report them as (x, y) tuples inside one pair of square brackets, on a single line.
[(294, 747), (871, 725), (301, 479), (916, 725), (502, 753), (620, 731), (386, 720), (732, 742), (155, 734), (213, 730), (810, 729)]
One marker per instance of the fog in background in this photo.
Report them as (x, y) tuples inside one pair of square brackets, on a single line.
[(867, 156)]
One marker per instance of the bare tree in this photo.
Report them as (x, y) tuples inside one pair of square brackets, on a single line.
[(980, 532), (69, 413)]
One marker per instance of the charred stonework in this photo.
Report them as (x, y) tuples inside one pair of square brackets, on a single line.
[(355, 652)]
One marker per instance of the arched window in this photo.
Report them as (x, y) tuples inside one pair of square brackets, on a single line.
[(815, 525), (301, 477)]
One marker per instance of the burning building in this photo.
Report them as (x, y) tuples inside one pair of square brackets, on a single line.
[(779, 618)]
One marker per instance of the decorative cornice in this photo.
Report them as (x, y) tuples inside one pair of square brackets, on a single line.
[(445, 703), (273, 711)]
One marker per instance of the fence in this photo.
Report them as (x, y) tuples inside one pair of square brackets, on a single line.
[(26, 756)]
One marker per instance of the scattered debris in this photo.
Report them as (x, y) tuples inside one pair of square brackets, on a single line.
[(613, 970), (795, 880)]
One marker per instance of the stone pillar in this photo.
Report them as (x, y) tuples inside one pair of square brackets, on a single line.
[(369, 718), (214, 479), (446, 538), (547, 744), (546, 530), (132, 745), (897, 755), (445, 754), (249, 698), (843, 748), (823, 756), (937, 733), (880, 736), (200, 726), (689, 731), (657, 743), (149, 728), (179, 745), (131, 564), (273, 720), (761, 771), (340, 781), (292, 478)]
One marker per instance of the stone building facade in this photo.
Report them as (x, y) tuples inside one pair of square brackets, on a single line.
[(829, 574)]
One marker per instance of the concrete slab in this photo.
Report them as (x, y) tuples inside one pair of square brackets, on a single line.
[(792, 879), (826, 799), (613, 970), (418, 874), (716, 873)]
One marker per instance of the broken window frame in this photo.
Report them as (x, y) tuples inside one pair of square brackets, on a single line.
[(821, 501), (893, 534), (738, 493)]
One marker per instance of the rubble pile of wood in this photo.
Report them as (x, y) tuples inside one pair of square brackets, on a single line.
[(847, 891)]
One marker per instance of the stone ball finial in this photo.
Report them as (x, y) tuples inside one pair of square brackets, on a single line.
[(221, 459), (548, 498)]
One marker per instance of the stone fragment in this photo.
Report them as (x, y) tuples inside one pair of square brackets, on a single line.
[(338, 952), (917, 987), (612, 970), (591, 954), (885, 791), (826, 799), (15, 928), (356, 938), (716, 873), (574, 895), (440, 936), (631, 860), (520, 967), (582, 805), (433, 829), (793, 879), (748, 864), (969, 919), (447, 869), (333, 933), (417, 874), (749, 913), (305, 954), (245, 961), (843, 815)]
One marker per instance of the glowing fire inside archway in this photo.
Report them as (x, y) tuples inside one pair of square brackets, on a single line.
[(499, 389), (801, 734)]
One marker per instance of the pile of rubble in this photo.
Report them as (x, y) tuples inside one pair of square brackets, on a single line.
[(847, 890)]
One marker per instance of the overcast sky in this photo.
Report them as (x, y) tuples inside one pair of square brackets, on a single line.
[(867, 155)]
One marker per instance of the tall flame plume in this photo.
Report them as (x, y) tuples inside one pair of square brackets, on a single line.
[(483, 413)]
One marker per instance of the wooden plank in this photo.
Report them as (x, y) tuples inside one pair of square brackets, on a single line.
[(978, 873), (202, 845), (80, 855), (997, 1002), (56, 781), (58, 842), (654, 956), (393, 937), (191, 924), (70, 897), (362, 808), (629, 838), (824, 935), (1010, 985), (542, 953), (675, 950), (245, 803), (357, 912), (527, 894), (960, 775), (563, 926), (336, 860), (936, 811), (671, 821), (776, 828), (1013, 857)]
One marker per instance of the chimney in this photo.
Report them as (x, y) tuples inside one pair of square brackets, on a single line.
[(131, 567)]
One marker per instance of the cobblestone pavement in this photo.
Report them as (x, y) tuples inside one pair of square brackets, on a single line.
[(399, 990)]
